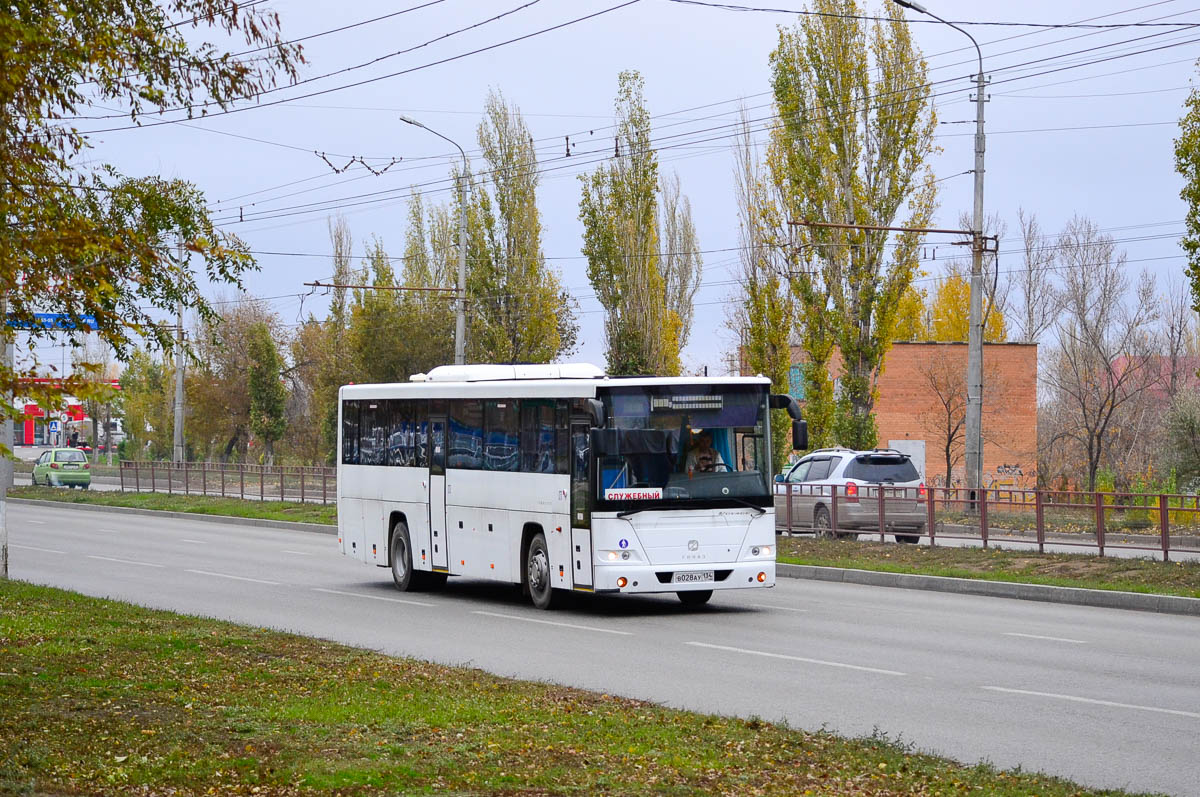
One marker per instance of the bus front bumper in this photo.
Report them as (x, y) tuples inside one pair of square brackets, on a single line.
[(663, 578)]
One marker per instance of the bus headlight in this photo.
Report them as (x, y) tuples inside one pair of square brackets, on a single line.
[(762, 550), (616, 556)]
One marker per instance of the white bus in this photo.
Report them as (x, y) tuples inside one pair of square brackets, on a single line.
[(558, 478)]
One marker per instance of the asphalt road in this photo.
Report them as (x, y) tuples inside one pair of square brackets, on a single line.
[(1106, 697)]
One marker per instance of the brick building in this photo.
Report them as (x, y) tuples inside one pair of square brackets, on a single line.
[(922, 393)]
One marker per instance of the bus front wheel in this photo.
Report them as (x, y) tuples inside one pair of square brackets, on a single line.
[(537, 573), (402, 566)]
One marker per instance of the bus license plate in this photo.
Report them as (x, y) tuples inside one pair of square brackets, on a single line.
[(690, 578)]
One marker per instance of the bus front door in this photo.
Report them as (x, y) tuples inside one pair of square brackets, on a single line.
[(437, 493), (581, 515)]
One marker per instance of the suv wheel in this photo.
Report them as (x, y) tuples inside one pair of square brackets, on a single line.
[(821, 525)]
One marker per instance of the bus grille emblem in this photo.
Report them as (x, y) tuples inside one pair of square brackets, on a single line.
[(693, 545)]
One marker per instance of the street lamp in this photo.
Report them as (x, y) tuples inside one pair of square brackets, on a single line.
[(460, 316), (974, 419)]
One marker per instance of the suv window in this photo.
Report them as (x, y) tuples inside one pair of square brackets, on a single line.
[(800, 471), (882, 468), (819, 470), (69, 456)]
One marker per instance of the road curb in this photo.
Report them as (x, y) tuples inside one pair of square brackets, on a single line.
[(1110, 599), (318, 528)]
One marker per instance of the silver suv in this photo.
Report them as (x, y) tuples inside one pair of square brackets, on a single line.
[(858, 478)]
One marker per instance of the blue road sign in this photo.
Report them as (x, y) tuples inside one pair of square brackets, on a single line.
[(53, 426), (52, 321)]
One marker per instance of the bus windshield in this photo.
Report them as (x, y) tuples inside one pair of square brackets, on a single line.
[(683, 442)]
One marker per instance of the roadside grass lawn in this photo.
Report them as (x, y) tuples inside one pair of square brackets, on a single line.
[(100, 697), (1063, 570), (198, 504)]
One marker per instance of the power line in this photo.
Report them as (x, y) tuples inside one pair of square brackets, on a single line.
[(410, 70), (742, 99), (325, 205), (1045, 25)]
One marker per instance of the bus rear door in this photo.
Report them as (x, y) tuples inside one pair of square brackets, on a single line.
[(437, 492)]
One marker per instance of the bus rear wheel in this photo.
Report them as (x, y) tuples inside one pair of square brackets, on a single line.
[(696, 597), (401, 550), (537, 573)]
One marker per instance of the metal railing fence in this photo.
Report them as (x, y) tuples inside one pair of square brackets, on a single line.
[(231, 480), (1104, 521)]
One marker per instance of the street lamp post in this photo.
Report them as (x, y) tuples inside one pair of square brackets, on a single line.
[(460, 316), (974, 419)]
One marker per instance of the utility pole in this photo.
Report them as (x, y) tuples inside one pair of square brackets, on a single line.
[(460, 316), (974, 417), (6, 463), (177, 448)]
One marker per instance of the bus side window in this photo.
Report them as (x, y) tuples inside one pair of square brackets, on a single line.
[(396, 432), (464, 444), (539, 445), (502, 435), (420, 433), (562, 452), (350, 432)]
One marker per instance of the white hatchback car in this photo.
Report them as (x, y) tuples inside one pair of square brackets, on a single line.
[(859, 478)]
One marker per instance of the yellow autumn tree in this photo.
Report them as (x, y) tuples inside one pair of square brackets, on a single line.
[(912, 316), (949, 314)]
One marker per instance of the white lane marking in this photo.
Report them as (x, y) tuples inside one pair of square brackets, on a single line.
[(1047, 638), (297, 553), (553, 622), (1093, 701), (35, 548), (373, 597), (124, 561), (780, 608), (38, 522), (235, 578), (801, 659), (109, 531), (193, 542)]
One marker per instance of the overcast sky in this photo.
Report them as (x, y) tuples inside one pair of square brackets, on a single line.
[(1078, 123)]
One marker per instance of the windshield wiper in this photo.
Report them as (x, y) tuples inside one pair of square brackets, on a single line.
[(692, 503), (666, 504)]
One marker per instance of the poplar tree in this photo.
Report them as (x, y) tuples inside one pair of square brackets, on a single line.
[(1187, 163), (680, 261), (267, 395), (618, 208), (854, 132), (519, 310), (763, 316)]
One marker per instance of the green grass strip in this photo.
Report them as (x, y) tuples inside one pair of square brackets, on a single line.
[(103, 697), (1025, 567), (196, 504)]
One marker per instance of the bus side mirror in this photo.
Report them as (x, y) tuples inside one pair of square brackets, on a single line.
[(595, 409), (782, 401), (800, 435)]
